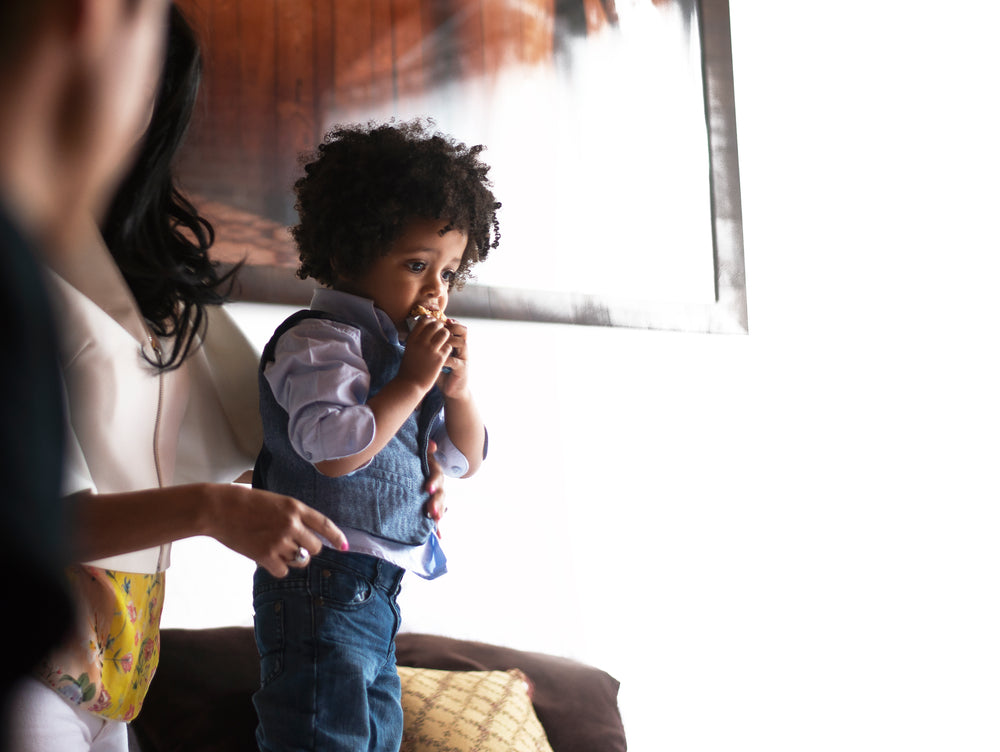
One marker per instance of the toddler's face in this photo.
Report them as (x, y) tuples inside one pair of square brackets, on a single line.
[(418, 270)]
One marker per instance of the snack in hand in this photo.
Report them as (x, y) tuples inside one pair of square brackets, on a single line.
[(416, 312)]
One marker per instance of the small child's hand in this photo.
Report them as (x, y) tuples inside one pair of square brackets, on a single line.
[(427, 349), (435, 507), (456, 383)]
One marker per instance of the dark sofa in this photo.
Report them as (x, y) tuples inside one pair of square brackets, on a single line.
[(200, 698)]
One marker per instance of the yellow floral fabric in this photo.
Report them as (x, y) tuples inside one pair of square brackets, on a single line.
[(106, 665)]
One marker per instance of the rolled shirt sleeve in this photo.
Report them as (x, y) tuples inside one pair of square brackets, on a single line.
[(321, 380), (453, 462)]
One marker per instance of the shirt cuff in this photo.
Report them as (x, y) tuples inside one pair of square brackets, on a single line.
[(453, 463)]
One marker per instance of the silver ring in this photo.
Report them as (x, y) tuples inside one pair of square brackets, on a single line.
[(301, 556)]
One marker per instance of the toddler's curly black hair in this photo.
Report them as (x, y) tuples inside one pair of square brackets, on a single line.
[(366, 182)]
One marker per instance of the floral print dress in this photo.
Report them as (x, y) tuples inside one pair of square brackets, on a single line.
[(106, 665)]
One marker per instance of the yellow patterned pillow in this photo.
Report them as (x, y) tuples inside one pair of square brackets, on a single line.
[(469, 711)]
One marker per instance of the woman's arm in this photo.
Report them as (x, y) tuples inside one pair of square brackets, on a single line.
[(263, 526)]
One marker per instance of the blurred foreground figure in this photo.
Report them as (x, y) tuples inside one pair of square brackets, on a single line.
[(74, 83), (162, 414)]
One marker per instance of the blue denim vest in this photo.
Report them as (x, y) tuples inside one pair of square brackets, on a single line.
[(386, 498)]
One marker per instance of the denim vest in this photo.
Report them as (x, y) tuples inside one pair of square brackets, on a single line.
[(385, 498)]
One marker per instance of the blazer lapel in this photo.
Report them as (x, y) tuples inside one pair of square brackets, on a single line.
[(92, 270)]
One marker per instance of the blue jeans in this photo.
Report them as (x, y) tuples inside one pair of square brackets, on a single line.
[(326, 638)]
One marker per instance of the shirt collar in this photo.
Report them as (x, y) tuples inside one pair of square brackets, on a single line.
[(92, 271), (354, 307)]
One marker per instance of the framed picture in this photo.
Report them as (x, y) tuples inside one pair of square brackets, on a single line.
[(609, 127)]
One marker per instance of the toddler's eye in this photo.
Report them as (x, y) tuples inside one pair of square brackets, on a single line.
[(416, 266), (448, 275)]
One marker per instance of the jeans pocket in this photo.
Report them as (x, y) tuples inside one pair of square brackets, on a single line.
[(269, 630), (344, 590)]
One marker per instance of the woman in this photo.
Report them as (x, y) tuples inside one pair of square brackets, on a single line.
[(162, 406)]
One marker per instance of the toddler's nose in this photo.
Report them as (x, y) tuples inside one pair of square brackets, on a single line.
[(438, 288)]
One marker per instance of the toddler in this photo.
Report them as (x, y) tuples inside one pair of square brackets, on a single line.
[(354, 393)]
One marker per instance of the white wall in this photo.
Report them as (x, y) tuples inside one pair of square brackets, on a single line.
[(787, 539)]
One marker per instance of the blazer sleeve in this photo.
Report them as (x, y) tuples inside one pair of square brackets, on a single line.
[(221, 432)]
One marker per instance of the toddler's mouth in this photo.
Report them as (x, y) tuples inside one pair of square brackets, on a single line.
[(418, 310)]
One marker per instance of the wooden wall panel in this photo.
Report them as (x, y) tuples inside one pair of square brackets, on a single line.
[(382, 51), (295, 100), (352, 66), (324, 56), (518, 33), (251, 85), (409, 44), (538, 32), (278, 74)]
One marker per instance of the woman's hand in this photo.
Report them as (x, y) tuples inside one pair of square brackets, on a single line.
[(268, 527)]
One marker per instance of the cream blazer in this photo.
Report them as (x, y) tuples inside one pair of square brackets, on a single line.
[(130, 426)]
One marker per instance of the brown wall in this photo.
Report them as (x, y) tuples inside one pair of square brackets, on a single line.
[(279, 72)]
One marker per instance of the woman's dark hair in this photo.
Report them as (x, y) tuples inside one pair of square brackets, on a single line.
[(366, 182), (155, 234)]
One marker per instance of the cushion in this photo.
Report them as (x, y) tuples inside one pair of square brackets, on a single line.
[(577, 704), (467, 711)]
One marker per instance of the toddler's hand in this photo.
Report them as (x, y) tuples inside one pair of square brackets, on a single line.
[(427, 350), (435, 507), (456, 383)]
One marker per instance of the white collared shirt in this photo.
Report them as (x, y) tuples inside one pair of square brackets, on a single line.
[(132, 427)]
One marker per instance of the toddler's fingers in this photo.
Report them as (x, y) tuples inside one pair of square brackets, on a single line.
[(427, 327), (436, 479), (458, 349), (457, 330), (436, 507)]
